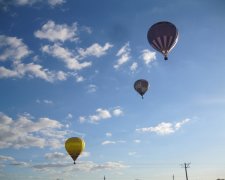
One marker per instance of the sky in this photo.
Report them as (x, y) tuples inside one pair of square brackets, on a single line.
[(67, 69)]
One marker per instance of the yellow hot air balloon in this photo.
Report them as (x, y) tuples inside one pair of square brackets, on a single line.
[(74, 147)]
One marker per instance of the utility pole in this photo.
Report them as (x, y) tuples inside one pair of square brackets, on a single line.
[(104, 178), (185, 166), (173, 176)]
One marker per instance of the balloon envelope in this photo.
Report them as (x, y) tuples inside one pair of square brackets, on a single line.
[(74, 147), (163, 36), (141, 86)]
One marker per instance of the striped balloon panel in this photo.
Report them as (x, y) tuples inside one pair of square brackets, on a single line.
[(163, 36)]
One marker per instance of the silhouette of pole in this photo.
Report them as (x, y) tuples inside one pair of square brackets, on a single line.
[(185, 166), (104, 178)]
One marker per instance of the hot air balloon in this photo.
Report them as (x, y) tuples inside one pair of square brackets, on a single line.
[(141, 86), (163, 36), (74, 147)]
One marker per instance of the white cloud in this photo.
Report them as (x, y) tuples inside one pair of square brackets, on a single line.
[(79, 78), (85, 154), (19, 163), (7, 73), (82, 119), (134, 66), (13, 48), (123, 54), (57, 32), (55, 155), (66, 56), (25, 133), (112, 142), (52, 3), (32, 71), (108, 134), (35, 70), (45, 101), (61, 76), (164, 128), (181, 123), (92, 88), (86, 29), (109, 166), (62, 164), (117, 112), (137, 141), (6, 158), (132, 153), (64, 156), (86, 166), (148, 56), (101, 114), (95, 50), (69, 116), (108, 142)]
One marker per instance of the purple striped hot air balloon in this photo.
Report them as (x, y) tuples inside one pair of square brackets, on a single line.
[(163, 36)]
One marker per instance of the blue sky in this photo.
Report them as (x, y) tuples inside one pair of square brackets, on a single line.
[(67, 68)]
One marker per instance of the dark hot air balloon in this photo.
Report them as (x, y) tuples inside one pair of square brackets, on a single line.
[(141, 86), (163, 36)]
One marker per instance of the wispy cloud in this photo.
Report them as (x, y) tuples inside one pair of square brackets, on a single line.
[(82, 119), (57, 32), (123, 54), (117, 111), (6, 158), (58, 156), (69, 116), (164, 128), (32, 70), (148, 56), (25, 132), (95, 50), (13, 48), (55, 155), (45, 101), (70, 60), (132, 153), (86, 166), (52, 3), (101, 114), (61, 163), (108, 142), (134, 67), (79, 78), (112, 142), (108, 134), (92, 88), (137, 141)]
